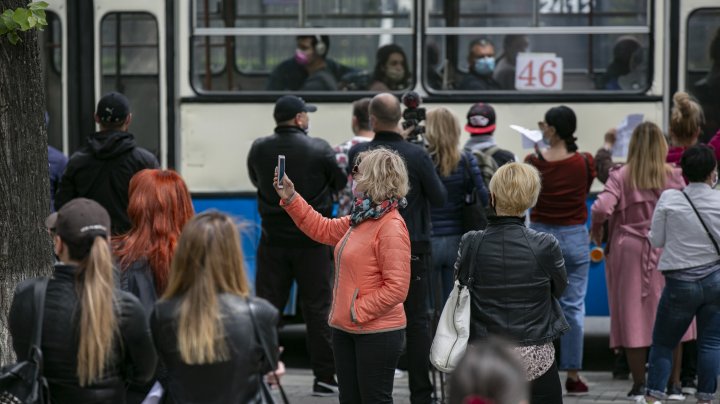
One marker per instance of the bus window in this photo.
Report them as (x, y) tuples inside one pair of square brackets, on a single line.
[(51, 60), (129, 43), (595, 46), (702, 75), (318, 46)]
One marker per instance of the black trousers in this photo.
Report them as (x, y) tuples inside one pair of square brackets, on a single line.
[(366, 365), (547, 389), (311, 268), (418, 330)]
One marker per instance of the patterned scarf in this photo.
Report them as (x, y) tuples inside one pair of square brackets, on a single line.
[(365, 208)]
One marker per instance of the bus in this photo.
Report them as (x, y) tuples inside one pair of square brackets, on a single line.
[(198, 73)]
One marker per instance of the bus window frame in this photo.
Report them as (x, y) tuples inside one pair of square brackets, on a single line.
[(156, 45)]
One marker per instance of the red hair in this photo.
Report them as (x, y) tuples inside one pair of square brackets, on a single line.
[(159, 207)]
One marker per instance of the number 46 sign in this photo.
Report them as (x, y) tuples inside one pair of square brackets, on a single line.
[(538, 71)]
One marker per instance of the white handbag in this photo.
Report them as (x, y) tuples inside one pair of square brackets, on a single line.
[(453, 331)]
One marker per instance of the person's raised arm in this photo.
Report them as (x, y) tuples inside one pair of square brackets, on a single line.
[(603, 157)]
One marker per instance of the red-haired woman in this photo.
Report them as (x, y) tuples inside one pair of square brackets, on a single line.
[(159, 206)]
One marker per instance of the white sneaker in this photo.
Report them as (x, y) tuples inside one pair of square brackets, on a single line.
[(399, 374), (642, 400)]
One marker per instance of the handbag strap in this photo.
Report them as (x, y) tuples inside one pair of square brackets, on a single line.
[(39, 289), (715, 244), (472, 244), (266, 350)]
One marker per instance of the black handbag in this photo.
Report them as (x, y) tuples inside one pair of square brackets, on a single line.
[(264, 388), (474, 214), (23, 382)]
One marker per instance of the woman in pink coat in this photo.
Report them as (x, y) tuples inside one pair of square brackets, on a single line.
[(634, 284)]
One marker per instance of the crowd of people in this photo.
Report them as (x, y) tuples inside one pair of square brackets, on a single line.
[(148, 299)]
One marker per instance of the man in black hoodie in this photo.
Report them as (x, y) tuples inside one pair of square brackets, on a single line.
[(102, 170)]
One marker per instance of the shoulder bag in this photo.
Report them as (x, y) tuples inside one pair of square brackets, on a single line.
[(453, 331), (265, 389), (23, 382), (702, 222)]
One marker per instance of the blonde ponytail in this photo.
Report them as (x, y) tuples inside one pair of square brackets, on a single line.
[(98, 322), (685, 119)]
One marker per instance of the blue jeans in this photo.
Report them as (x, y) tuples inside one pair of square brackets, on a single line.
[(444, 255), (574, 243), (679, 303)]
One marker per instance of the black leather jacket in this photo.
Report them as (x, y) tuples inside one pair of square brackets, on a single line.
[(234, 381), (133, 358), (310, 163), (518, 275)]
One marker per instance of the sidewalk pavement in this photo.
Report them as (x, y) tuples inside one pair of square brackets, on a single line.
[(603, 389)]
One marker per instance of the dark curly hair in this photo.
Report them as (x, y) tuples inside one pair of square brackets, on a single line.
[(381, 58)]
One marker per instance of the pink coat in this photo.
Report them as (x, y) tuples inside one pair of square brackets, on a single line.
[(634, 284)]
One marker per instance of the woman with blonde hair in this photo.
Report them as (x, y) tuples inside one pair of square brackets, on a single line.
[(372, 273), (95, 338), (634, 285), (209, 333), (686, 121), (459, 172), (515, 276)]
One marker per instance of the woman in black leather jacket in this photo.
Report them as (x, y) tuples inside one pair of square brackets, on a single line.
[(515, 276), (88, 355), (205, 332)]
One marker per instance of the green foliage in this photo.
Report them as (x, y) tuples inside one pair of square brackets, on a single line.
[(22, 19)]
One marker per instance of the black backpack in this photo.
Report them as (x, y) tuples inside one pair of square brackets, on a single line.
[(23, 382)]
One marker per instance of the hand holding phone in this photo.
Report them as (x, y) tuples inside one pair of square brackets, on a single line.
[(281, 170)]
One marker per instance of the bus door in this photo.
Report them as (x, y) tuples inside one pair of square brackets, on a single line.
[(130, 58), (699, 59)]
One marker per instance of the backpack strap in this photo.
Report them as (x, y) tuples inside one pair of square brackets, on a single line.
[(39, 289), (490, 151)]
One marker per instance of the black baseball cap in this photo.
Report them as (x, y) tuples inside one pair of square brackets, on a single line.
[(480, 119), (79, 221), (287, 106), (113, 108)]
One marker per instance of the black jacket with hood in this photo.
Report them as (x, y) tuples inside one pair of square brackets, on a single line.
[(102, 170)]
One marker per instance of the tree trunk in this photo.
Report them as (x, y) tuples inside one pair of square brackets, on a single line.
[(25, 246)]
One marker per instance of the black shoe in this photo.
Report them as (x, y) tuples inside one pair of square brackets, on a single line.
[(637, 392), (325, 389)]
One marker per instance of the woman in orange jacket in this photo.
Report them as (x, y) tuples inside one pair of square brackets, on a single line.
[(372, 273)]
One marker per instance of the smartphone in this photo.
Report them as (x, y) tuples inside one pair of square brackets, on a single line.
[(281, 169)]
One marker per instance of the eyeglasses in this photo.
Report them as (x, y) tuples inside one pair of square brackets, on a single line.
[(355, 170)]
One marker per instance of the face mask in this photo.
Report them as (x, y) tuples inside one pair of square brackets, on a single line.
[(715, 181), (395, 74), (306, 129), (357, 194), (301, 57), (484, 66)]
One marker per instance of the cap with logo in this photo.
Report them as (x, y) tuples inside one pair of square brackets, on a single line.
[(480, 119), (113, 108), (79, 221), (287, 106)]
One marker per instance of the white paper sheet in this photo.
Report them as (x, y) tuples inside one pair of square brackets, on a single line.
[(623, 134), (529, 137)]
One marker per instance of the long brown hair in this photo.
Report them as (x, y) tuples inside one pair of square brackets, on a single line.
[(98, 321), (159, 207), (208, 261), (443, 136), (648, 149), (686, 118)]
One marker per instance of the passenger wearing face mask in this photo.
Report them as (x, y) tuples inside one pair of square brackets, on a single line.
[(391, 69), (309, 69), (481, 65), (284, 253)]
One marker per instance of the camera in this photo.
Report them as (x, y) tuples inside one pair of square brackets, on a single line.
[(413, 116)]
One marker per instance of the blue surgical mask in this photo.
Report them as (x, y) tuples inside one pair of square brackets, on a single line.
[(484, 66)]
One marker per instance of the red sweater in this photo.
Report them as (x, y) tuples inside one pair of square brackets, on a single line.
[(565, 186)]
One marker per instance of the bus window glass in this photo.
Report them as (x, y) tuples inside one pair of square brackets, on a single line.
[(379, 38), (702, 75), (129, 64), (51, 60), (596, 46)]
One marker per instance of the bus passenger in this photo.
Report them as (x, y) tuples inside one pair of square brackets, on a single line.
[(634, 286), (566, 179), (504, 73), (284, 253), (213, 338), (95, 338), (310, 69), (361, 133), (510, 261), (687, 225), (102, 170), (481, 65), (623, 52), (707, 90), (372, 273), (391, 69)]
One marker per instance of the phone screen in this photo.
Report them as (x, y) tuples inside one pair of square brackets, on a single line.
[(281, 170)]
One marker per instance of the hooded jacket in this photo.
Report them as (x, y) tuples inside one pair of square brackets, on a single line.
[(102, 170)]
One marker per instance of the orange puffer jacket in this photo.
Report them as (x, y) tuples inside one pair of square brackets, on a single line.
[(372, 267)]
